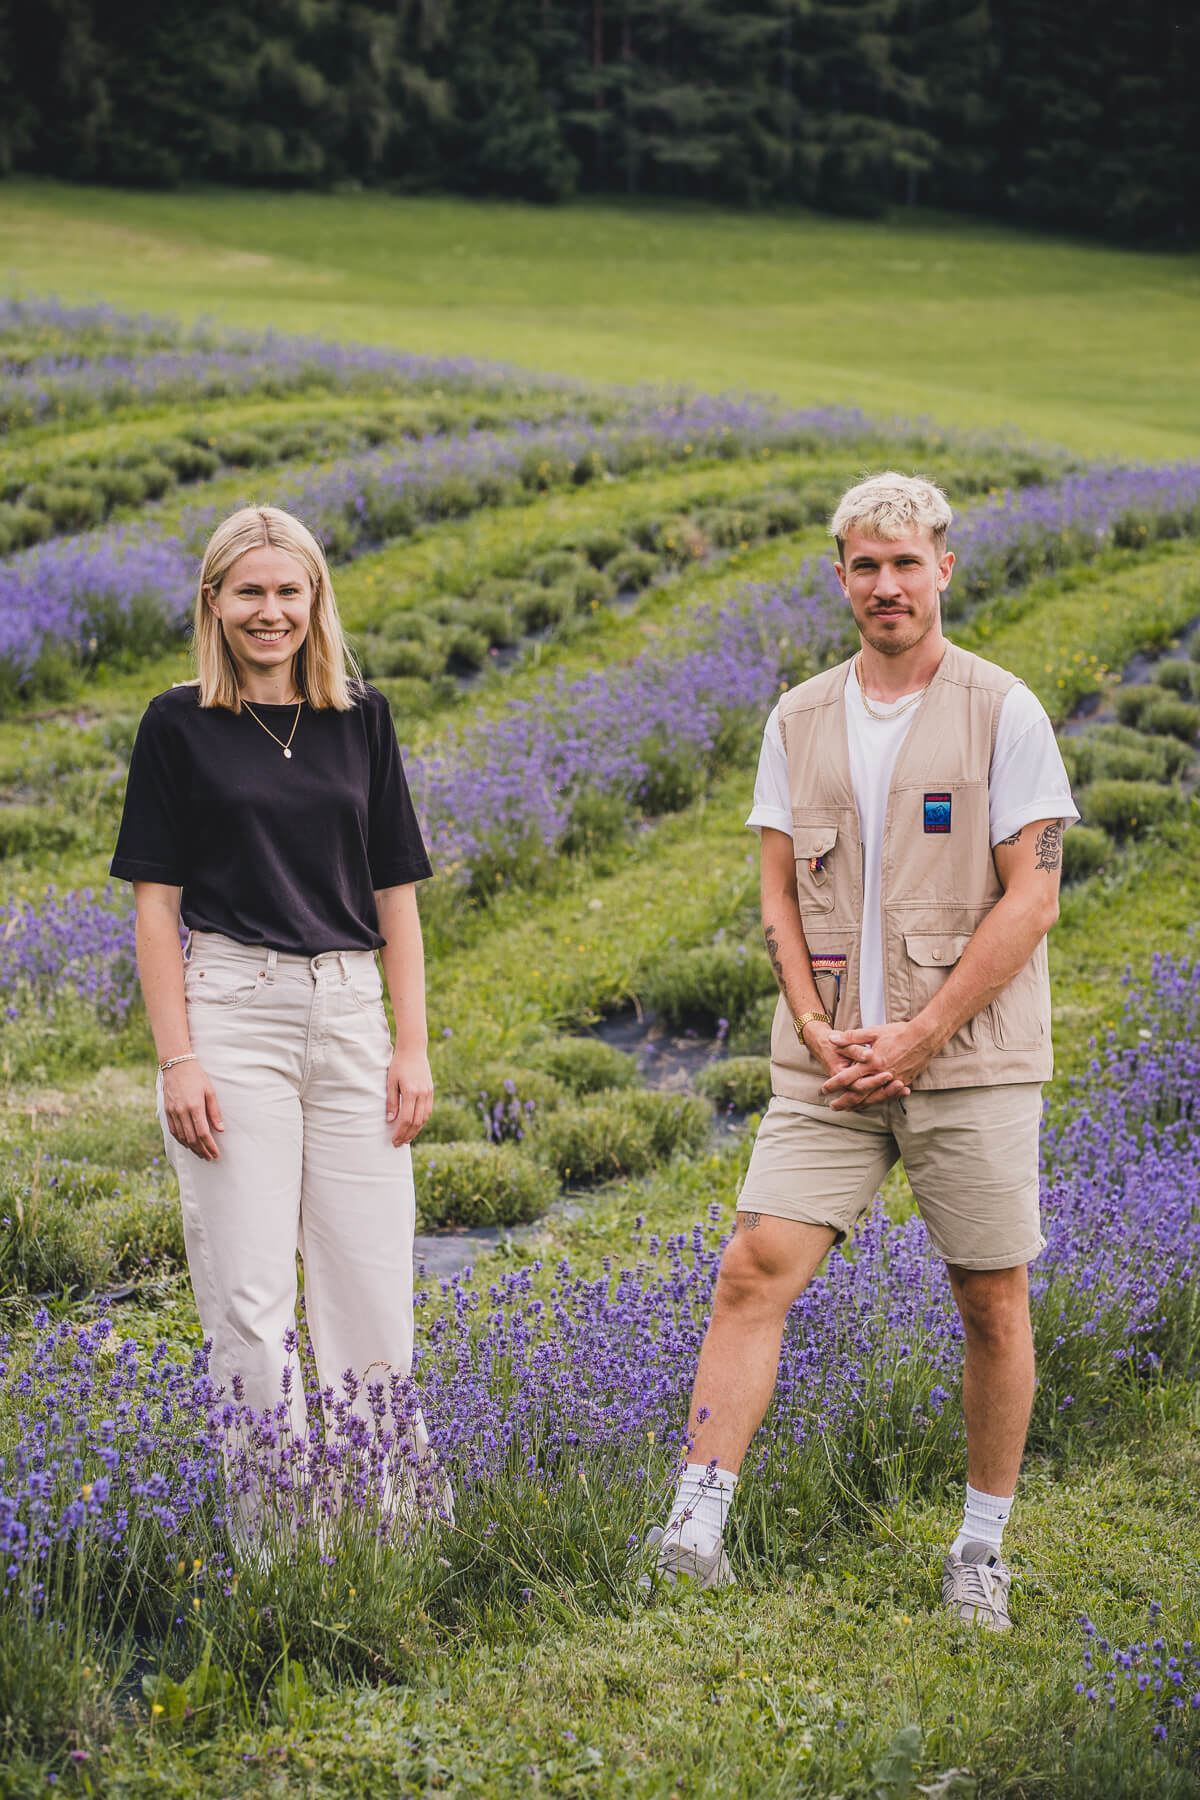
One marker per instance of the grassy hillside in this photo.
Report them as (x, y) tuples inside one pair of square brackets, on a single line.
[(971, 323)]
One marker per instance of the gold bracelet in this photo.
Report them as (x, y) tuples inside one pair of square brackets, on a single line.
[(807, 1019)]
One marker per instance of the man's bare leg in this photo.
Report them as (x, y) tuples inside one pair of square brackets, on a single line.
[(767, 1263), (998, 1379), (998, 1372)]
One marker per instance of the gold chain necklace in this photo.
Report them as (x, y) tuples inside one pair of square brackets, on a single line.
[(870, 710), (291, 734)]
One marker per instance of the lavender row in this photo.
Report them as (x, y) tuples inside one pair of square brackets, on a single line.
[(499, 801), (89, 593), (502, 797), (66, 387), (607, 1363), (1010, 538), (522, 1391), (45, 324), (72, 590)]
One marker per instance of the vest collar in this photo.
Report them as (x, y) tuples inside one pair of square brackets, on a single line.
[(831, 686)]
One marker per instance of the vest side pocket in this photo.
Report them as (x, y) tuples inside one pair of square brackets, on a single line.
[(829, 988), (830, 961), (1015, 1016), (814, 847), (931, 956)]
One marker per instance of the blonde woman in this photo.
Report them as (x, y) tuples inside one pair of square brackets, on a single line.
[(267, 807)]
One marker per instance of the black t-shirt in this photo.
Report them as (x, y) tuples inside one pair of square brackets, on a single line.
[(285, 853)]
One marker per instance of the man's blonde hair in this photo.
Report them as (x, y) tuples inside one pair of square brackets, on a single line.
[(325, 671), (889, 506)]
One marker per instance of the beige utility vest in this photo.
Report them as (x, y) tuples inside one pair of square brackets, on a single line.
[(938, 879)]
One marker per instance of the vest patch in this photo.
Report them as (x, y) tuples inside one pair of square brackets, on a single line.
[(937, 812)]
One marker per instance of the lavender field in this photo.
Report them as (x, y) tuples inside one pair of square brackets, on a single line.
[(581, 605)]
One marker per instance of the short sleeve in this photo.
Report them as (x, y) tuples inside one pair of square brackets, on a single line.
[(150, 842), (1028, 778), (772, 795), (396, 853)]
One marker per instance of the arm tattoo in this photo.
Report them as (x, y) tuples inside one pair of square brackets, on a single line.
[(773, 953), (1049, 846), (1014, 839)]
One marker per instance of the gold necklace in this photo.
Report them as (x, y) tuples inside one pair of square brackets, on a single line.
[(291, 734), (871, 713)]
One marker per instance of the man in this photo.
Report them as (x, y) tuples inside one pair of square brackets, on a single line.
[(911, 803)]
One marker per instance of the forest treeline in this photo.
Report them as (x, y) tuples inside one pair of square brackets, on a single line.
[(1081, 114)]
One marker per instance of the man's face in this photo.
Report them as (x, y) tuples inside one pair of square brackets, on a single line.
[(894, 588)]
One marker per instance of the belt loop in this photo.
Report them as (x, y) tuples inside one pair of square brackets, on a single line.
[(341, 956), (187, 946), (272, 959)]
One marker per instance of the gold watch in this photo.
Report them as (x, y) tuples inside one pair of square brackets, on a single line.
[(807, 1019)]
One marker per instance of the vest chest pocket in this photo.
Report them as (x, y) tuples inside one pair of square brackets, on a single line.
[(814, 847), (931, 956)]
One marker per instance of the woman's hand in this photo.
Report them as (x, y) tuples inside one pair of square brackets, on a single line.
[(409, 1094), (193, 1115)]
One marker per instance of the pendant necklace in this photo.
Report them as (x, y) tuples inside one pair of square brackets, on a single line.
[(291, 734), (871, 713)]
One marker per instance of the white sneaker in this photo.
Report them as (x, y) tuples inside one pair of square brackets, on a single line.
[(975, 1587), (671, 1562)]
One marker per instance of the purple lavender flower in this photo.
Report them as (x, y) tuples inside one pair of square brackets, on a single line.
[(67, 948), (525, 1384)]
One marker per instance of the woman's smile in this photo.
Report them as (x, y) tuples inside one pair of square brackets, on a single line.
[(265, 605)]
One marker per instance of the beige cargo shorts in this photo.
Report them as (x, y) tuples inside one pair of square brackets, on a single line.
[(970, 1154)]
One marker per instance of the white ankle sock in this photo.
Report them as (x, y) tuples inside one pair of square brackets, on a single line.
[(702, 1502), (984, 1519)]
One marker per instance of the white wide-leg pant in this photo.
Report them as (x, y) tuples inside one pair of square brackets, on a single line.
[(297, 1049)]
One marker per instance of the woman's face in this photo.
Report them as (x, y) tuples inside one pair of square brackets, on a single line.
[(264, 605)]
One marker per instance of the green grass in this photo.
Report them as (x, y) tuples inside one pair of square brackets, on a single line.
[(799, 1687), (968, 322)]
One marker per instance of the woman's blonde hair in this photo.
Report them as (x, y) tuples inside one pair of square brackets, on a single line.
[(325, 670)]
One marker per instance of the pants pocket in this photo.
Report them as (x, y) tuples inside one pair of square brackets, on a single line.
[(217, 986)]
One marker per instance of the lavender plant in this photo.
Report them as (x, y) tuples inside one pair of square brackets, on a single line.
[(90, 593), (66, 949), (108, 371), (593, 1374), (1145, 1688)]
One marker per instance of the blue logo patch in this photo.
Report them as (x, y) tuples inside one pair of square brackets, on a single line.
[(937, 812)]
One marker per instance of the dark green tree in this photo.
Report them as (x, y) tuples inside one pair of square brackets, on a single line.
[(1083, 114)]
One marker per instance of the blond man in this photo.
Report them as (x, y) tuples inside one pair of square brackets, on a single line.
[(911, 804)]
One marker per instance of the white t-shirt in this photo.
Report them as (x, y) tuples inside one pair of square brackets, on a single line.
[(1027, 782)]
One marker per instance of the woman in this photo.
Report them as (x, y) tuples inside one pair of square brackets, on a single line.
[(268, 807)]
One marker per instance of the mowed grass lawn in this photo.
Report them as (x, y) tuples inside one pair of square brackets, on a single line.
[(966, 321)]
